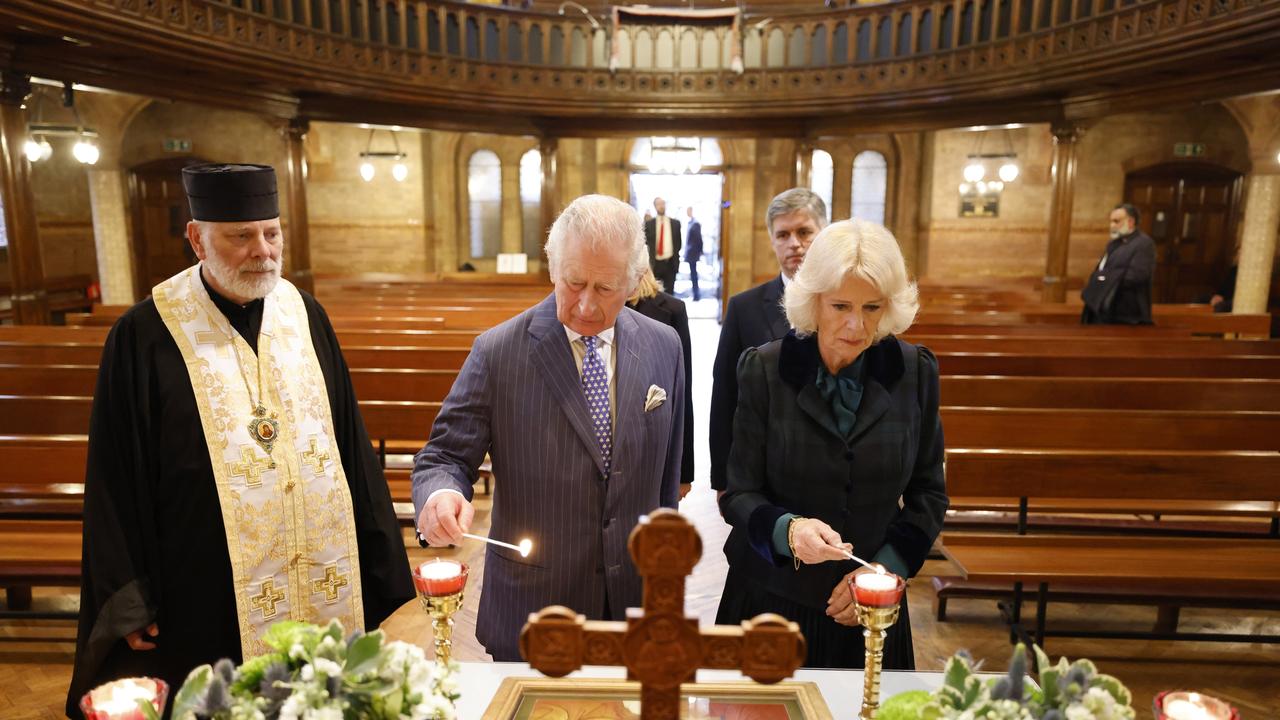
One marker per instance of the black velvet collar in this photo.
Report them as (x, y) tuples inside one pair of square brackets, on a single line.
[(799, 359)]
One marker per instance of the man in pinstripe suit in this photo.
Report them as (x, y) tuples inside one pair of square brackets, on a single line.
[(579, 401)]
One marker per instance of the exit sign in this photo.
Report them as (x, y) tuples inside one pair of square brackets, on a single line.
[(1188, 149), (177, 145)]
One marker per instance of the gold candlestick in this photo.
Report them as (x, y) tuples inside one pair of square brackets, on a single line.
[(878, 610), (440, 585), (441, 609), (875, 621)]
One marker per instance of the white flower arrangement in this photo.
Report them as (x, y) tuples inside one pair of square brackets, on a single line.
[(315, 673)]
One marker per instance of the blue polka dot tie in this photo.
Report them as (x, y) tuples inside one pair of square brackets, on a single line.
[(595, 385)]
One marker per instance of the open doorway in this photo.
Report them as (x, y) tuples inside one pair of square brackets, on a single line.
[(693, 189)]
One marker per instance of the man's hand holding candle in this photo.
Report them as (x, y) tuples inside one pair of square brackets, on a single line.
[(444, 518)]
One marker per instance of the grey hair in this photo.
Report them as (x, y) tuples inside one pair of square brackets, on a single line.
[(862, 249), (601, 221), (796, 199)]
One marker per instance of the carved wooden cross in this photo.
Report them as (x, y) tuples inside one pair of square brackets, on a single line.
[(659, 645)]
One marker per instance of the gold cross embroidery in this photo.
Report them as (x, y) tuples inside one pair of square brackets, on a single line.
[(330, 584), (316, 458), (217, 340), (251, 469), (267, 600)]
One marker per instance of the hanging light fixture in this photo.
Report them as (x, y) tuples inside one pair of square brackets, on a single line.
[(975, 171), (399, 171), (37, 147), (86, 150)]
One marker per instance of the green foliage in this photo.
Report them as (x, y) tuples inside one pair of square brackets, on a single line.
[(191, 695), (1067, 689)]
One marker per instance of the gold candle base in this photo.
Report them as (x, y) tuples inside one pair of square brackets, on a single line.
[(441, 609), (875, 621)]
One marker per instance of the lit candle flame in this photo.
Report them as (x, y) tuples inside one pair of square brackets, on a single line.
[(525, 546)]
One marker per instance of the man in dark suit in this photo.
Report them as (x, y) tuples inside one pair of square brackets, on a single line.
[(1119, 288), (662, 235), (693, 252), (579, 402), (754, 317)]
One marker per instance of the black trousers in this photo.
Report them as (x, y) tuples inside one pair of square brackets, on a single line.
[(693, 277), (665, 271)]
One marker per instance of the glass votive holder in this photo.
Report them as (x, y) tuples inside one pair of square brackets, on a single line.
[(439, 577), (1185, 705), (877, 589), (118, 699)]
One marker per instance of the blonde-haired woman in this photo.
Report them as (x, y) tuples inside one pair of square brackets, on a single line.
[(649, 300), (837, 445)]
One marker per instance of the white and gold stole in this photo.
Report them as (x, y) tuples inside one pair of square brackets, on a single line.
[(288, 516)]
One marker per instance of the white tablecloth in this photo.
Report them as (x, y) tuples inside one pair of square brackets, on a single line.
[(842, 689)]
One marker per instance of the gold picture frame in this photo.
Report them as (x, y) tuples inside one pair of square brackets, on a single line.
[(516, 697)]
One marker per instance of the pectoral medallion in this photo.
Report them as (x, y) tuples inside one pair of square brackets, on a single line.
[(263, 428)]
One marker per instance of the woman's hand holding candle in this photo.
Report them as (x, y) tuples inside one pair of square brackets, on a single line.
[(813, 541), (841, 606)]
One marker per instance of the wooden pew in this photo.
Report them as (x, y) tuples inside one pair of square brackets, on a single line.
[(986, 427), (1122, 346), (1238, 366), (1105, 393), (1177, 571)]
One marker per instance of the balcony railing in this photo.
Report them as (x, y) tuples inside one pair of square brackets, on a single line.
[(445, 53)]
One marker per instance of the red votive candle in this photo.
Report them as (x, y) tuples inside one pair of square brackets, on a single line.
[(118, 699), (876, 589), (440, 577)]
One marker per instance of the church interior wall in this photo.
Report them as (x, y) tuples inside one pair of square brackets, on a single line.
[(64, 214), (1014, 244), (358, 226)]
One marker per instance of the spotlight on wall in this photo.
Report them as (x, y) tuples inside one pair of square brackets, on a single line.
[(399, 171)]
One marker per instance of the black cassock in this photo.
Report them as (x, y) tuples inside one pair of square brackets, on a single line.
[(155, 547)]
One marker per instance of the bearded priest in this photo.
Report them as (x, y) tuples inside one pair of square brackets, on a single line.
[(230, 482)]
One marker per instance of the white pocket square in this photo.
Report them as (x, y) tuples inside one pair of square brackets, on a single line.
[(655, 397)]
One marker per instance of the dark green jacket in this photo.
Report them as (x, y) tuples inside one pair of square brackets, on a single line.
[(788, 456)]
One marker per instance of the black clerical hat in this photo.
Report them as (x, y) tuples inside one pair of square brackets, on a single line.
[(231, 193)]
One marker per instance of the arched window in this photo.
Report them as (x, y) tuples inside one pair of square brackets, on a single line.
[(822, 177), (870, 181), (531, 203), (484, 194)]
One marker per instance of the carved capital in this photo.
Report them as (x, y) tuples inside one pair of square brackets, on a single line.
[(298, 128), (14, 87), (1066, 131)]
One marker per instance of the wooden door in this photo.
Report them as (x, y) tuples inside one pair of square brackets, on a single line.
[(1191, 211), (160, 216)]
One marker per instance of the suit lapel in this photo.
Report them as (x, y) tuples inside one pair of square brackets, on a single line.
[(554, 359), (778, 325), (627, 426)]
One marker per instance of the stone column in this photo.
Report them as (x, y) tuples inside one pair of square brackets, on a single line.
[(548, 149), (29, 300), (804, 163), (111, 235), (299, 239), (841, 183), (1258, 242), (1066, 140), (511, 215)]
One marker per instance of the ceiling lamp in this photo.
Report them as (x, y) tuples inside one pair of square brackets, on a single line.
[(1005, 163), (37, 147), (399, 171)]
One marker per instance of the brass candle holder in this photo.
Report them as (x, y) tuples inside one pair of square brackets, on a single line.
[(878, 607), (440, 585)]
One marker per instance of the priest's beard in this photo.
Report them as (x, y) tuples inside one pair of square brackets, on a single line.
[(241, 281)]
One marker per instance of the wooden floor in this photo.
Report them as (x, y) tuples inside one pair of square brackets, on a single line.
[(35, 657)]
